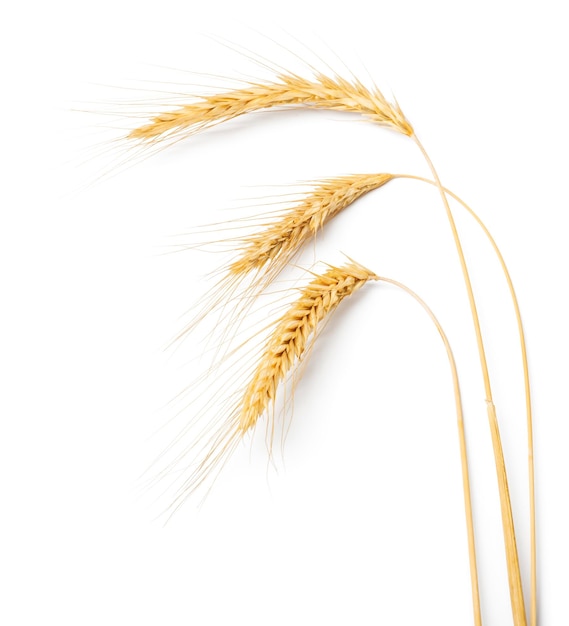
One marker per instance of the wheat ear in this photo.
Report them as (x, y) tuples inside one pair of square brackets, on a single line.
[(319, 92), (277, 243), (290, 341), (264, 253)]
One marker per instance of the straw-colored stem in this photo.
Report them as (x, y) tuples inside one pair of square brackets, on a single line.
[(512, 561), (527, 387), (463, 455), (516, 591)]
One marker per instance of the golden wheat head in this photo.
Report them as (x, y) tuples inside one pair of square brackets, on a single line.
[(289, 342), (276, 244), (265, 252), (319, 92)]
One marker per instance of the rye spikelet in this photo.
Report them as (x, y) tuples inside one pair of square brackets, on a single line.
[(320, 92), (289, 342)]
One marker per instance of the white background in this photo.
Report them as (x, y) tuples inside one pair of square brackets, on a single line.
[(362, 522)]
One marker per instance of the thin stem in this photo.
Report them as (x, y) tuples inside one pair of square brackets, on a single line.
[(512, 560), (465, 273), (463, 455), (531, 472)]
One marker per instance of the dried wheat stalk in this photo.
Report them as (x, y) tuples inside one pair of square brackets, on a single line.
[(286, 347)]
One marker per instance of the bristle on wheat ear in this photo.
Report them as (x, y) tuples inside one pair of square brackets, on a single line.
[(320, 92), (289, 343)]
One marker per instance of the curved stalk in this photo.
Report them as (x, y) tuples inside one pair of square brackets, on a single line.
[(512, 560), (463, 455), (527, 388)]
